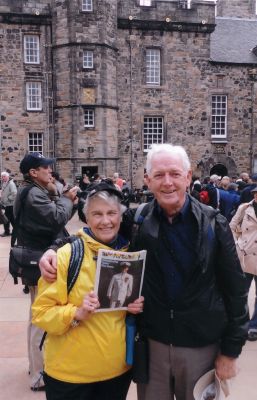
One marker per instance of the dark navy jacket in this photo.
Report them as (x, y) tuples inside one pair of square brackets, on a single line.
[(212, 306)]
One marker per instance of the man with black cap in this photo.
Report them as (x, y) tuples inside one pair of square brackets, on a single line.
[(38, 222)]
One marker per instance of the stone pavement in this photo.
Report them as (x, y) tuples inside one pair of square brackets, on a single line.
[(14, 308)]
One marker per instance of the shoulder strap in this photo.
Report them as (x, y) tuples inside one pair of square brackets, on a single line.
[(23, 196), (139, 216), (218, 197), (140, 213), (213, 221), (77, 254)]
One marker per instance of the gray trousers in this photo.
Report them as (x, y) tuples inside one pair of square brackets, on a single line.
[(34, 354), (173, 371)]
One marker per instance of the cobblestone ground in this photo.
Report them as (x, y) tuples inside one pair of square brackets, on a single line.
[(14, 306)]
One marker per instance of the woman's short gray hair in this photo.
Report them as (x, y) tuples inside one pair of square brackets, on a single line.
[(177, 151), (108, 197)]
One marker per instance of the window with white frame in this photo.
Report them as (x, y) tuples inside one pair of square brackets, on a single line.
[(88, 59), (183, 3), (33, 96), (89, 118), (31, 49), (153, 131), (145, 3), (219, 116), (153, 67), (35, 142), (87, 5)]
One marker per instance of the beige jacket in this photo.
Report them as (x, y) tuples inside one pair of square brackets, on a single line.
[(244, 228)]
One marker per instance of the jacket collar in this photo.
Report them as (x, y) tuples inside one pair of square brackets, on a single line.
[(120, 243)]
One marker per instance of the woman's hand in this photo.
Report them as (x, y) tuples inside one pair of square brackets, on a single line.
[(137, 306), (88, 307)]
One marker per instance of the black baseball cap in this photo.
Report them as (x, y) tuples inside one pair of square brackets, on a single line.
[(34, 160), (104, 185)]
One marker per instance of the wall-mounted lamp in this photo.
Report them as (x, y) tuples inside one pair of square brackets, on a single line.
[(90, 150)]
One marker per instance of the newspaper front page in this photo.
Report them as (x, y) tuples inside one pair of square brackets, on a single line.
[(119, 278)]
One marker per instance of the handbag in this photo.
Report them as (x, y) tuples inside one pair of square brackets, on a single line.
[(140, 369), (24, 264)]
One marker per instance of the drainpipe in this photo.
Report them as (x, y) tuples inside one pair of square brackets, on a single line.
[(131, 114)]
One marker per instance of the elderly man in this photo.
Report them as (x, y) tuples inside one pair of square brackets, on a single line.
[(195, 314), (8, 194)]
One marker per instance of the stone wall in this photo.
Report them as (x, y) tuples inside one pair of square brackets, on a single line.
[(16, 121), (115, 88), (236, 8), (77, 88)]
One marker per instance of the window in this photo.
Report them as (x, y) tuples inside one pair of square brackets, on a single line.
[(219, 116), (87, 5), (89, 118), (145, 2), (88, 59), (35, 142), (153, 131), (33, 94), (153, 67), (185, 3), (31, 49)]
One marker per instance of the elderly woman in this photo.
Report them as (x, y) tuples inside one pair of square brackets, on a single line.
[(244, 228), (85, 351)]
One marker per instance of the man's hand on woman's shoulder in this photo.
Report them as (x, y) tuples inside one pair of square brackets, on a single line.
[(48, 266)]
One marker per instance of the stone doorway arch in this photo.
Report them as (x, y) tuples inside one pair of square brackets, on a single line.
[(219, 169)]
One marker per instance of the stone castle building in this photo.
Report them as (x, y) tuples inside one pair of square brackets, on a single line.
[(94, 83)]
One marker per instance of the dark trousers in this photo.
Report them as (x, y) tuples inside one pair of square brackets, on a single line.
[(112, 389), (9, 215), (253, 320)]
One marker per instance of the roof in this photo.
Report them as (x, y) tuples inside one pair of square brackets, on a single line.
[(233, 40)]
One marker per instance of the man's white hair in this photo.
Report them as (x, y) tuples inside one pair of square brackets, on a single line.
[(175, 151), (4, 173), (214, 178)]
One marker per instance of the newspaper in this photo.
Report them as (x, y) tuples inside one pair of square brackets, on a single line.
[(119, 278)]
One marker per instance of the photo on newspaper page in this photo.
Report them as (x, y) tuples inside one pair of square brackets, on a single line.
[(119, 278)]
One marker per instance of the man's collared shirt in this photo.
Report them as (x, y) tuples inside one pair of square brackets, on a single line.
[(179, 245)]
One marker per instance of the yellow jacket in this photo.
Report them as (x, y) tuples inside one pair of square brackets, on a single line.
[(94, 350)]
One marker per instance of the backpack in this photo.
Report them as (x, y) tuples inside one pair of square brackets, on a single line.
[(204, 197), (76, 258)]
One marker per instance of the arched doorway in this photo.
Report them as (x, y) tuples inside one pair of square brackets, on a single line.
[(219, 169)]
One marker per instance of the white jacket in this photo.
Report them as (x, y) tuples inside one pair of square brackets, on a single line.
[(244, 228)]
